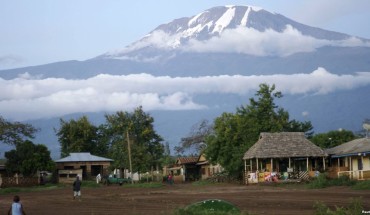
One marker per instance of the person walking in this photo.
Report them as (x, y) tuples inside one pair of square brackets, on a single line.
[(17, 207), (77, 188)]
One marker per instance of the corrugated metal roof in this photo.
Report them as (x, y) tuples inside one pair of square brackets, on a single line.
[(283, 145), (82, 156), (353, 147)]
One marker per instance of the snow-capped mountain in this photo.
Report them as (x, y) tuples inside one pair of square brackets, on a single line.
[(218, 24)]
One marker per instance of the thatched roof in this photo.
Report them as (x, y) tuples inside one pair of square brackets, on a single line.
[(350, 148), (283, 145)]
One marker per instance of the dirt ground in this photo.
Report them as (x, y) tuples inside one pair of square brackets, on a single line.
[(114, 199)]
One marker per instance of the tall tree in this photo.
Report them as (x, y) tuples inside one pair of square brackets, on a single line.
[(235, 133), (12, 133), (78, 136), (27, 158), (145, 143)]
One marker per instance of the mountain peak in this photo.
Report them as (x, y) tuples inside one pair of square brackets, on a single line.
[(244, 21)]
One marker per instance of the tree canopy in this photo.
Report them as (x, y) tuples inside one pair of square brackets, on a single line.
[(145, 143), (12, 133), (332, 138), (27, 158), (111, 139), (234, 133), (78, 136)]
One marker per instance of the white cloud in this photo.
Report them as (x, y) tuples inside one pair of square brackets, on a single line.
[(267, 43), (29, 98), (239, 40)]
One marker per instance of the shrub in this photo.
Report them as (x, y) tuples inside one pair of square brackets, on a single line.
[(320, 181)]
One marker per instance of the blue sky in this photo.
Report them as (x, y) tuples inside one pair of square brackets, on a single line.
[(43, 31)]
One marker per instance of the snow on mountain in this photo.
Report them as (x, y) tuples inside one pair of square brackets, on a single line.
[(238, 29)]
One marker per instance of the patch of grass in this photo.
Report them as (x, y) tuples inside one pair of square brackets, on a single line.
[(144, 185), (10, 190), (90, 184), (201, 183), (322, 181), (211, 206), (362, 185), (355, 207), (30, 189), (342, 181)]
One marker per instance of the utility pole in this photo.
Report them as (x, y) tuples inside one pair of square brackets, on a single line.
[(129, 154)]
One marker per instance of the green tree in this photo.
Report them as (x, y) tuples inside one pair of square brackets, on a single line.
[(79, 136), (145, 143), (234, 134), (27, 158), (332, 138), (12, 133)]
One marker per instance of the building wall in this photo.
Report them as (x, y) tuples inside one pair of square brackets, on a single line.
[(89, 169)]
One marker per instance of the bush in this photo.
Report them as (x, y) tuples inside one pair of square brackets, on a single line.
[(320, 181), (355, 207)]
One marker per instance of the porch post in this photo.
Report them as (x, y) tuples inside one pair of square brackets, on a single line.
[(289, 162), (323, 161), (350, 168), (250, 162), (272, 165), (338, 164), (362, 169), (245, 165), (257, 163), (307, 164)]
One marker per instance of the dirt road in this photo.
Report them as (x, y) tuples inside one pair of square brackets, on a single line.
[(255, 199)]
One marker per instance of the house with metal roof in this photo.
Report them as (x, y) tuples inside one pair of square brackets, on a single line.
[(351, 159), (289, 154), (82, 164)]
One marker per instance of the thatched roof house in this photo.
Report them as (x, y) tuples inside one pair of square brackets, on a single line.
[(283, 145), (285, 153)]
